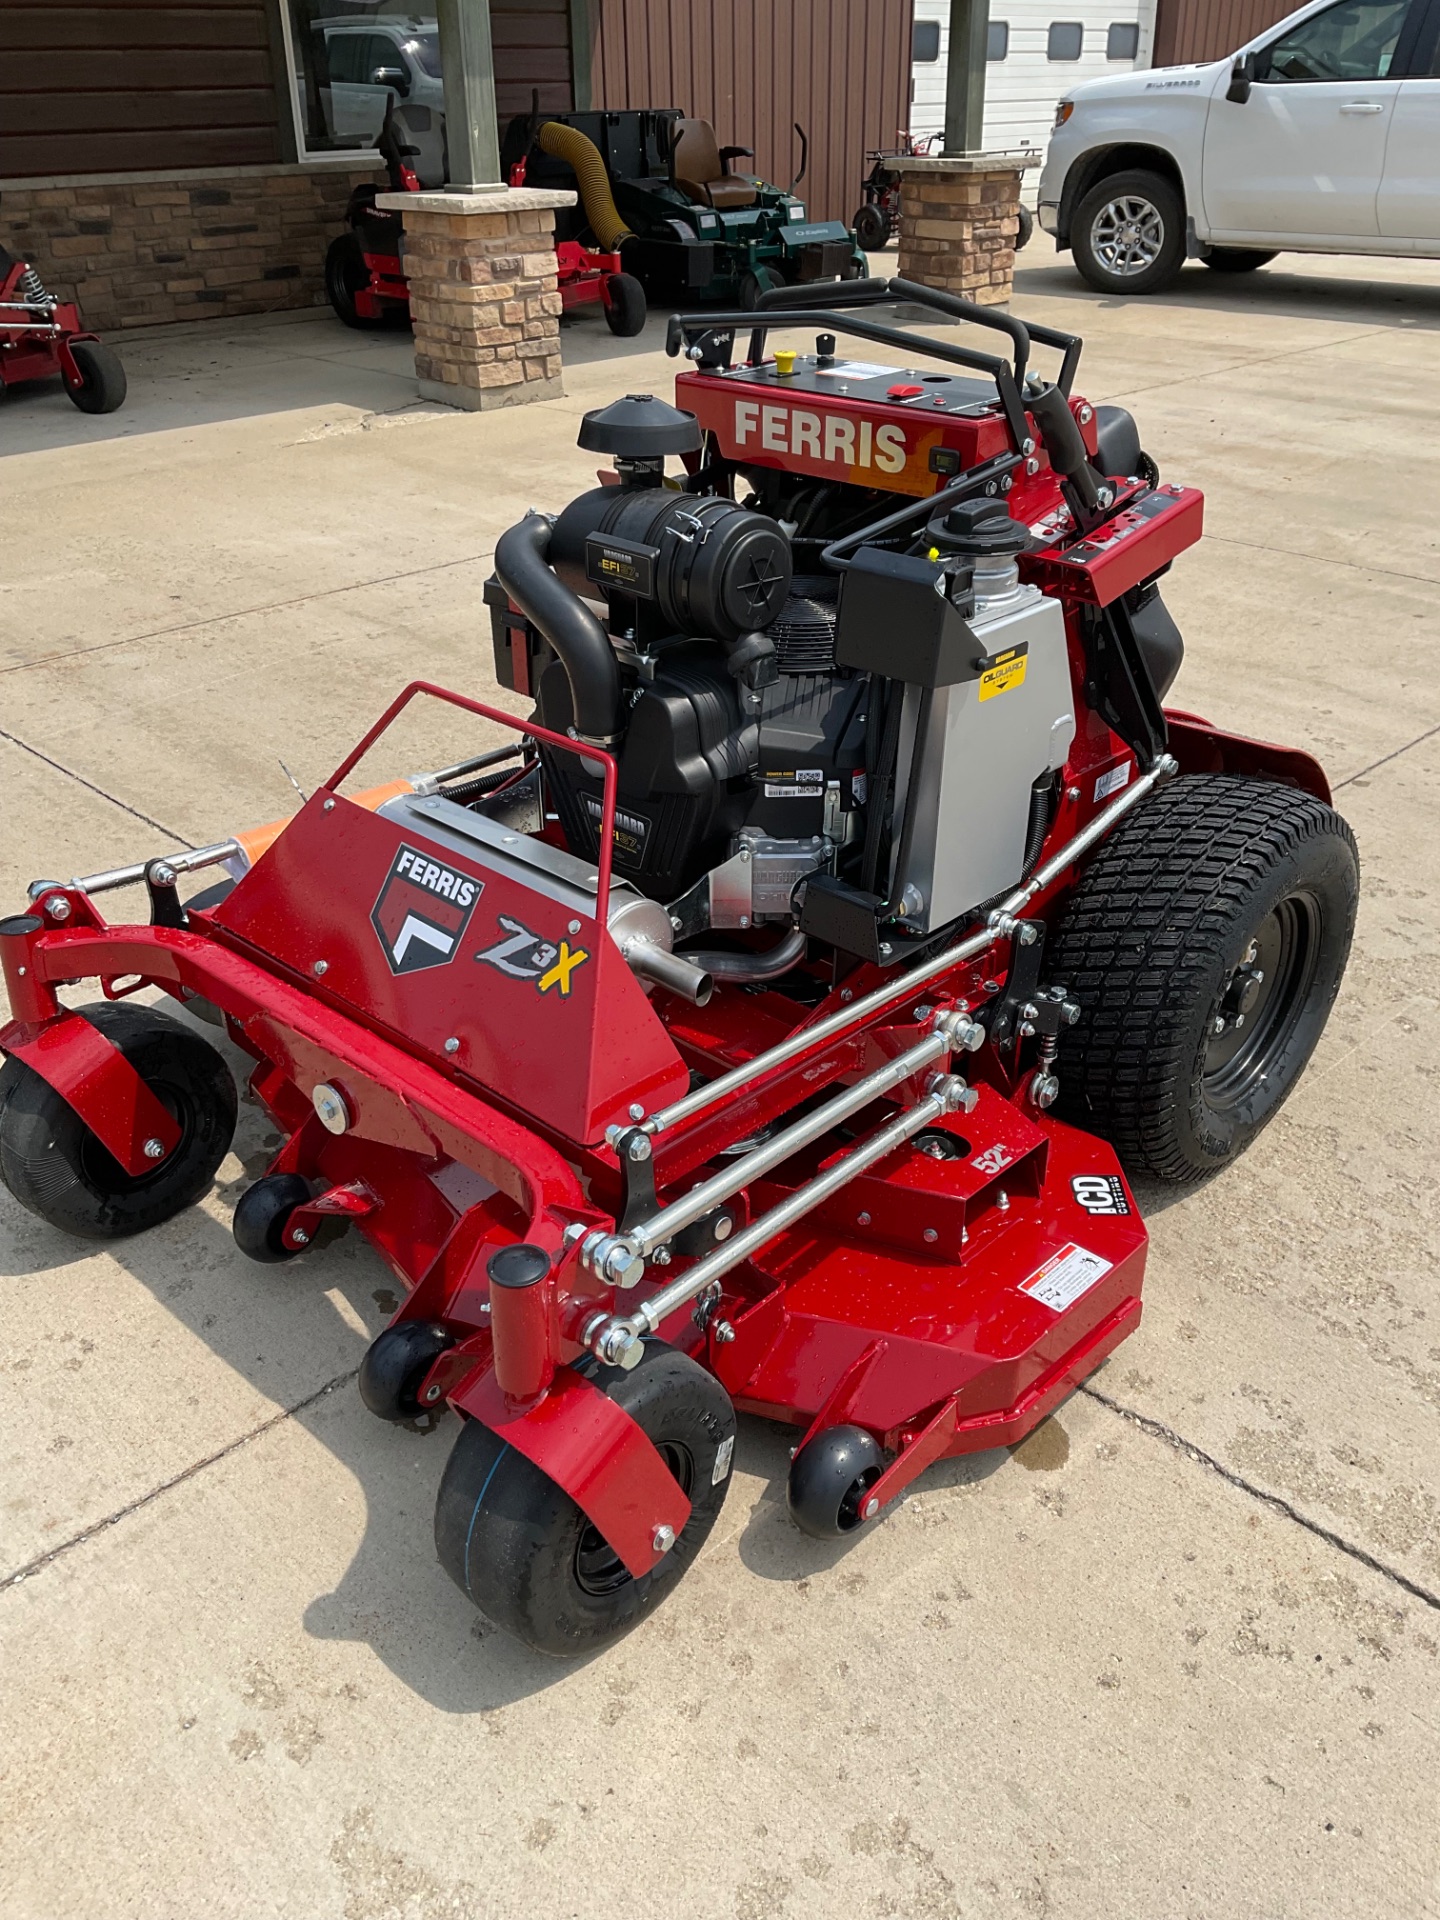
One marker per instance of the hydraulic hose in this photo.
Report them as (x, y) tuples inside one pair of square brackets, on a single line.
[(583, 156), (567, 623)]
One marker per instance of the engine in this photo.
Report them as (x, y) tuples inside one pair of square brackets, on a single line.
[(837, 710)]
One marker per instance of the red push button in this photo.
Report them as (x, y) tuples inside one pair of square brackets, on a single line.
[(902, 393)]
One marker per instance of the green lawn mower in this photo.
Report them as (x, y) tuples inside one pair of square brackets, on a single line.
[(655, 186)]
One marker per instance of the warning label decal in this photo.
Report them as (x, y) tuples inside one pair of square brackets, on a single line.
[(1065, 1276)]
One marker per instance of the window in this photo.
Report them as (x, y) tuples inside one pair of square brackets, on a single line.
[(1354, 41), (925, 40), (1065, 40), (998, 45), (353, 57), (1122, 41), (335, 53)]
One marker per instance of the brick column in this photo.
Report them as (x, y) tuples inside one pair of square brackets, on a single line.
[(958, 221), (483, 294)]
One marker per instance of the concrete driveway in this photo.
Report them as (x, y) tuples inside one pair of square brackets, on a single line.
[(1175, 1656)]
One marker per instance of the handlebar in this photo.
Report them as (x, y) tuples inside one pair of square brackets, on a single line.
[(790, 307)]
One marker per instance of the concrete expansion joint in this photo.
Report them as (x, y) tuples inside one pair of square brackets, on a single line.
[(39, 1564), (1276, 1502), (90, 786)]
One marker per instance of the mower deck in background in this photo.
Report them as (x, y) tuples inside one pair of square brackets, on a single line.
[(777, 1020), (41, 338)]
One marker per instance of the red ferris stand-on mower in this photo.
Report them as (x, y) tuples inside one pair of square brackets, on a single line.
[(41, 338), (779, 1020), (365, 269)]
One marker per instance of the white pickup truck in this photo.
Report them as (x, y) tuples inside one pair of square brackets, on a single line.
[(1321, 135)]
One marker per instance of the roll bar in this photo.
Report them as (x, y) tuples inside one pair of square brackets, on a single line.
[(790, 306)]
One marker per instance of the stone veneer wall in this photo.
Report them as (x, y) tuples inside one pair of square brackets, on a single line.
[(957, 228), (137, 252)]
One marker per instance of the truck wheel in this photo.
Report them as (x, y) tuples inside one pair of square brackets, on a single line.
[(1025, 232), (1205, 944), (526, 1554), (872, 229), (1128, 234), (56, 1167), (345, 275), (625, 309), (102, 385), (1234, 259)]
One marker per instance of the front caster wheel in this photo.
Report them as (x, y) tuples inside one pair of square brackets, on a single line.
[(57, 1168), (395, 1365), (625, 309), (262, 1214), (531, 1560), (829, 1479)]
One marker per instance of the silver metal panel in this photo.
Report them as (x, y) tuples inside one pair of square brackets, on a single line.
[(530, 862), (978, 761)]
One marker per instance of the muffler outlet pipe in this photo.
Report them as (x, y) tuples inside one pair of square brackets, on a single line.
[(754, 966), (567, 623), (522, 1306), (670, 970)]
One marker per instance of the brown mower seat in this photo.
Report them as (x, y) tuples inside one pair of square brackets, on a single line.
[(702, 168)]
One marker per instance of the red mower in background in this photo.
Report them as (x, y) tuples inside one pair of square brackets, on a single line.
[(41, 338), (877, 221), (777, 1021), (365, 270)]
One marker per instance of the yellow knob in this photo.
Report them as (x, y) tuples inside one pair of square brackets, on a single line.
[(784, 360)]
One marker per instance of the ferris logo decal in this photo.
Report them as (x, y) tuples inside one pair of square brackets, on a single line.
[(1100, 1193), (830, 436), (422, 912), (525, 956)]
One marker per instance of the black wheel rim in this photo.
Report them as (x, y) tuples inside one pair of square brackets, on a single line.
[(599, 1570), (852, 1507), (103, 1173), (1256, 1014)]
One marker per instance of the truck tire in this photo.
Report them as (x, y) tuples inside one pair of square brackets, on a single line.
[(1204, 945), (1128, 234)]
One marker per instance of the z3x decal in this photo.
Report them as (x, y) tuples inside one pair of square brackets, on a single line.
[(422, 911), (1100, 1193), (524, 955)]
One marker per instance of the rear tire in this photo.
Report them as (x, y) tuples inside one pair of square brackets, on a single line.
[(522, 1550), (872, 229), (626, 310), (346, 274), (1234, 260), (1221, 900), (1026, 230), (102, 378), (57, 1168), (1128, 234)]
